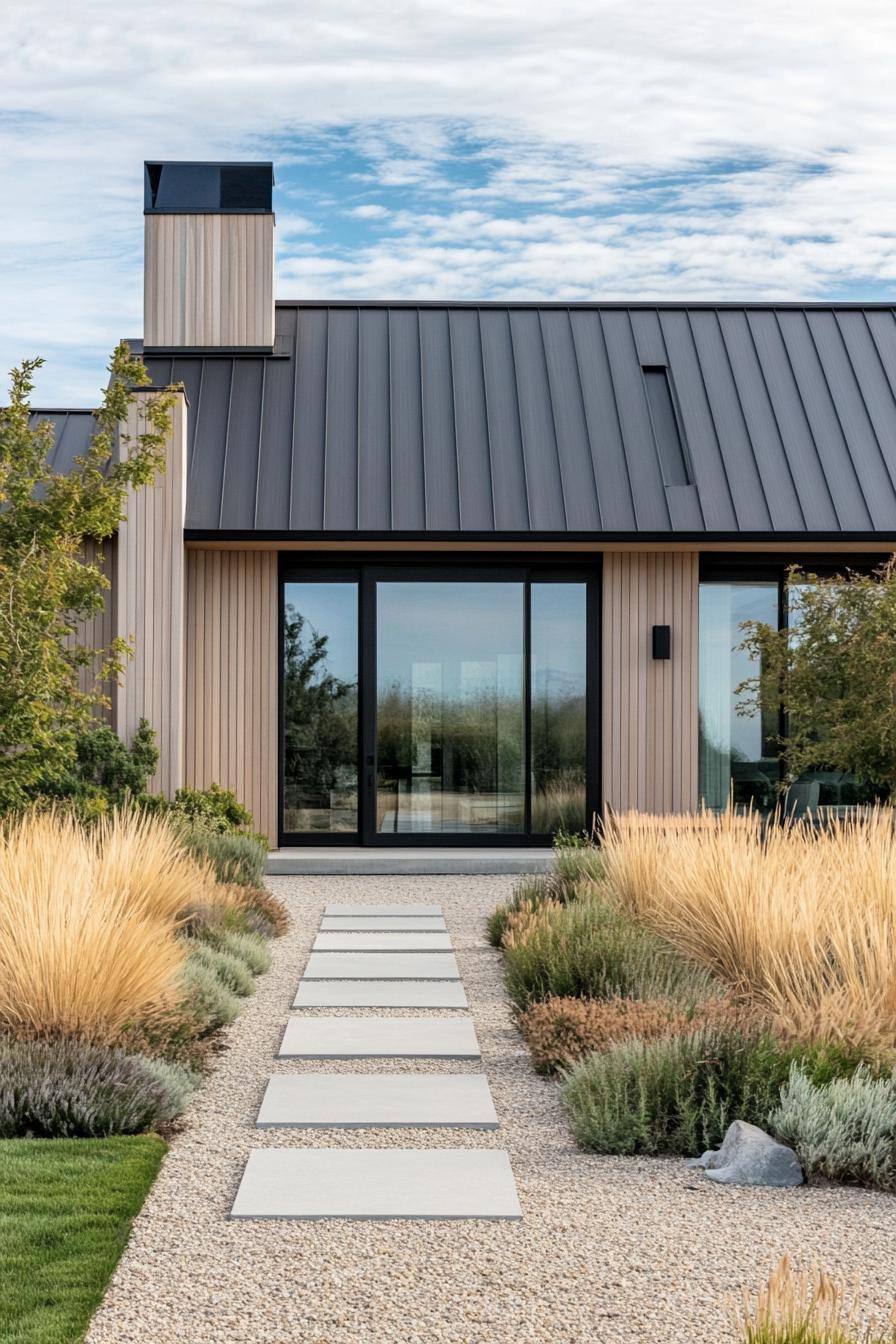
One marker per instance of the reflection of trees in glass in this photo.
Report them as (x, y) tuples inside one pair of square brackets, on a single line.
[(558, 760), (320, 734), (476, 738)]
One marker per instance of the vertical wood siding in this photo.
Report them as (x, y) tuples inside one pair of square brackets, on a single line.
[(99, 631), (649, 707), (231, 699), (149, 603), (208, 280)]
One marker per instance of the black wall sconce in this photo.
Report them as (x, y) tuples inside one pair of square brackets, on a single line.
[(662, 641)]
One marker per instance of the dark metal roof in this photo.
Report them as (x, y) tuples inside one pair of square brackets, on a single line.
[(535, 419), (73, 432)]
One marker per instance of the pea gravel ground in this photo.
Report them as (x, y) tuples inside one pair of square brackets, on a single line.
[(610, 1249)]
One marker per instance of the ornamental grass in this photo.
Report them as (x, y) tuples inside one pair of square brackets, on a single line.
[(796, 919), (88, 922), (807, 1307)]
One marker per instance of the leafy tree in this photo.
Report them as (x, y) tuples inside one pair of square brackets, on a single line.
[(48, 585), (834, 671)]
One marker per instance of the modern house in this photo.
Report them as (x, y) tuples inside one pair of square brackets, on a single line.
[(435, 573)]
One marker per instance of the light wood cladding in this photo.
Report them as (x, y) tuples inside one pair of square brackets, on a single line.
[(231, 702), (149, 601), (649, 707), (208, 281), (99, 631)]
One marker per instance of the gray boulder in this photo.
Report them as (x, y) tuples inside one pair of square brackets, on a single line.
[(749, 1156)]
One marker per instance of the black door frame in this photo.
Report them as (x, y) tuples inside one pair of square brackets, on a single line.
[(367, 570)]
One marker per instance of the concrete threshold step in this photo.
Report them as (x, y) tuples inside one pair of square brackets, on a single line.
[(422, 862)]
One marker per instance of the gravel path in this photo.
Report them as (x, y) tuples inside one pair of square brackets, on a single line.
[(610, 1249)]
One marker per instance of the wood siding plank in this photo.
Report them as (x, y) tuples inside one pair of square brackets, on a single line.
[(649, 707)]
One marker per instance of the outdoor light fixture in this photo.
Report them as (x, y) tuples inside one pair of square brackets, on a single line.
[(662, 641)]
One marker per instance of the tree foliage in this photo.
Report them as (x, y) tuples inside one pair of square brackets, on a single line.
[(834, 671), (49, 585), (319, 715)]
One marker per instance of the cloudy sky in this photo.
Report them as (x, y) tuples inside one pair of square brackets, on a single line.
[(506, 148)]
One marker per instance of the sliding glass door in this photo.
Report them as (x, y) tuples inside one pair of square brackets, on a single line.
[(450, 708), (437, 705)]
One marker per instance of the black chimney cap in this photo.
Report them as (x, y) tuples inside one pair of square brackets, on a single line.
[(207, 188)]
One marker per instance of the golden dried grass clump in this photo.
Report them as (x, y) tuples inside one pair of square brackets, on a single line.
[(88, 919), (806, 1308), (799, 920), (560, 1031)]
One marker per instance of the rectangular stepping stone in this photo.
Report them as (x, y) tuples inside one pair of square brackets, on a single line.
[(382, 942), (378, 1183), (380, 994), (384, 924), (379, 1037), (382, 911), (378, 1100), (381, 966)]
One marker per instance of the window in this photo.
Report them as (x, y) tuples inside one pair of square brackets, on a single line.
[(739, 746), (666, 431)]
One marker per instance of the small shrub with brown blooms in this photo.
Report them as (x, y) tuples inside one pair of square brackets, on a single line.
[(561, 1031), (806, 1308), (797, 918)]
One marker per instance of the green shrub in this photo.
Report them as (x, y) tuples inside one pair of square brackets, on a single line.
[(248, 948), (207, 1001), (232, 971), (237, 859), (589, 949), (214, 809), (69, 1089), (577, 865), (105, 771), (843, 1128), (679, 1094)]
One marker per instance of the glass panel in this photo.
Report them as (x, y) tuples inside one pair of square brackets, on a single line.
[(738, 753), (821, 791), (558, 635), (320, 707), (450, 707)]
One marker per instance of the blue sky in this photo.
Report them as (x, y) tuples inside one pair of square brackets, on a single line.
[(578, 150)]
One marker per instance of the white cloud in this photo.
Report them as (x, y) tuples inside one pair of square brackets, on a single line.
[(592, 127), (368, 212)]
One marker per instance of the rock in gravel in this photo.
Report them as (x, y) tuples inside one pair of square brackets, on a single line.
[(749, 1156)]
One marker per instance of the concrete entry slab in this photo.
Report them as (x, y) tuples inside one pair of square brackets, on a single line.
[(378, 1101), (377, 1183), (381, 966), (379, 1037), (380, 994), (382, 942), (382, 924), (382, 911)]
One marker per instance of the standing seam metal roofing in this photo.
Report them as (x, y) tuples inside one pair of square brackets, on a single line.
[(385, 419)]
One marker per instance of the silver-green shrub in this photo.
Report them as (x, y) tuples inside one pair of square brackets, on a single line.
[(844, 1129), (72, 1089), (231, 970), (206, 998)]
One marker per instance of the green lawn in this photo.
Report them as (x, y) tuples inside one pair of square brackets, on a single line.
[(65, 1212)]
